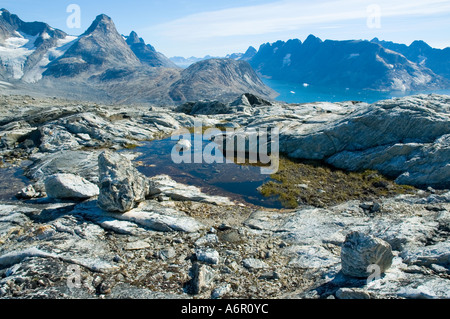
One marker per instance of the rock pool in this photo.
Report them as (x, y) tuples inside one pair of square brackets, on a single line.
[(236, 181)]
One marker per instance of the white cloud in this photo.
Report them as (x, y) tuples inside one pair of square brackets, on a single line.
[(288, 15)]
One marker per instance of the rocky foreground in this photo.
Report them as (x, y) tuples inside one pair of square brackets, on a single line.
[(87, 224)]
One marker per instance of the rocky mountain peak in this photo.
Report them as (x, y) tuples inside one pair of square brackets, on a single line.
[(146, 53), (250, 51), (312, 40), (213, 75), (133, 38), (4, 12), (99, 49), (419, 45), (102, 23), (9, 23)]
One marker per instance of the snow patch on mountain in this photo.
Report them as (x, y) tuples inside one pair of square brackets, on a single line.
[(381, 60), (45, 36), (36, 73), (287, 60), (15, 51)]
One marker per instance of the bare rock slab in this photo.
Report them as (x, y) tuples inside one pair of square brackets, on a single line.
[(69, 186), (253, 264)]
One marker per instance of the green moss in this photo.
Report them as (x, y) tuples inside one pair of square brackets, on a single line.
[(312, 183), (202, 130), (130, 146), (198, 130), (222, 128)]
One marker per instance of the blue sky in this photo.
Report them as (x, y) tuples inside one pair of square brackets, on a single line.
[(201, 27)]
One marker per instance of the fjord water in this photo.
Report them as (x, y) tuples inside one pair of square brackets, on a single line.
[(305, 93), (238, 182)]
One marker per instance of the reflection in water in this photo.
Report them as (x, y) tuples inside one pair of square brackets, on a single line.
[(239, 182), (11, 182)]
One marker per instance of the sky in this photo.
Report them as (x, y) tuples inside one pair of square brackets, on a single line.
[(216, 27)]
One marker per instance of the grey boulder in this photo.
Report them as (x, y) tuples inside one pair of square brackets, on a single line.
[(360, 251), (122, 187)]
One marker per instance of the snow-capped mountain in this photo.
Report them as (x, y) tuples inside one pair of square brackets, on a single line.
[(26, 48), (101, 64), (100, 48)]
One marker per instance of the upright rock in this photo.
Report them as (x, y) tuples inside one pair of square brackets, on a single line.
[(202, 278), (360, 251), (248, 99), (121, 185)]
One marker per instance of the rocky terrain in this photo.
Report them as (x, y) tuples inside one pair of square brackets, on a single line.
[(406, 139), (83, 222)]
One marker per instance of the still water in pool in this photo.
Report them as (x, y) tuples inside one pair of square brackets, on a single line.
[(12, 181), (239, 182)]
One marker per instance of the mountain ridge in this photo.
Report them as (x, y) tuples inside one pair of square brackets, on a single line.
[(420, 52), (146, 53), (103, 65), (124, 68), (353, 64)]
